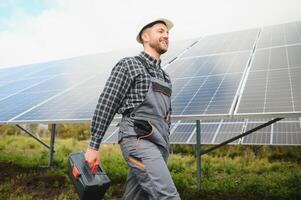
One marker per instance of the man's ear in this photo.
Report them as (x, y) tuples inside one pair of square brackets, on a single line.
[(145, 35)]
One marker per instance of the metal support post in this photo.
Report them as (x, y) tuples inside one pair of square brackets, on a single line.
[(53, 127), (198, 153)]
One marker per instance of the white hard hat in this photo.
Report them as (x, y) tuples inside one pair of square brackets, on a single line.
[(142, 25)]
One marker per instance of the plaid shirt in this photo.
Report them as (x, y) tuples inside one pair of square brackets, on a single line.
[(125, 88)]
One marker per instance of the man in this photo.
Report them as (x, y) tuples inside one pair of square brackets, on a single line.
[(140, 90)]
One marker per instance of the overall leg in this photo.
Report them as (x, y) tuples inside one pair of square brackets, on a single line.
[(133, 190), (148, 171)]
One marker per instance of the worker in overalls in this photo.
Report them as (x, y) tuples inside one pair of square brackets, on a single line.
[(140, 90)]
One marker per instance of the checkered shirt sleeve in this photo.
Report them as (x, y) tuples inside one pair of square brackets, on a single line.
[(109, 101)]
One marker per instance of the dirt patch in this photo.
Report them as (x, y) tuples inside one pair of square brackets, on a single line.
[(40, 183), (44, 187), (32, 181), (9, 171)]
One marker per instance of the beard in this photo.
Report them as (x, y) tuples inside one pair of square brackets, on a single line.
[(158, 47)]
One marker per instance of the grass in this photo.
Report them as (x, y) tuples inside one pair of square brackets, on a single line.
[(232, 172)]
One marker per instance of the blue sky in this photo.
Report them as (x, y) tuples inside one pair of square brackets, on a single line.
[(41, 30), (20, 9)]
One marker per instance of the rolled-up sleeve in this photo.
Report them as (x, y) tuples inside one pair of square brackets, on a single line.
[(109, 101)]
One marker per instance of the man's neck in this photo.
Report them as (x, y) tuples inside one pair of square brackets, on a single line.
[(152, 53)]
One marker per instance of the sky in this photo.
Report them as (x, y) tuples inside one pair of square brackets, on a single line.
[(33, 31)]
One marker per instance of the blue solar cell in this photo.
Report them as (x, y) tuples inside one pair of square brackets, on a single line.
[(20, 103), (228, 131), (185, 94), (78, 103), (287, 133), (60, 82), (273, 83), (215, 95), (209, 65), (113, 138), (112, 129), (59, 68), (226, 42), (199, 102), (5, 72), (22, 72), (17, 86), (181, 133), (262, 136), (91, 64), (208, 130), (174, 49), (206, 85), (184, 68)]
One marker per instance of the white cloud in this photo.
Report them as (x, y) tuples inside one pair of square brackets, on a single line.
[(78, 27)]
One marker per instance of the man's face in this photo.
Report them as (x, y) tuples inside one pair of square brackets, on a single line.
[(156, 37)]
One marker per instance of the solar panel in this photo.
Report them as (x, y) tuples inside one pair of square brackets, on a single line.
[(112, 129), (286, 133), (279, 35), (2, 83), (223, 43), (14, 87), (206, 85), (71, 106), (175, 49), (23, 72), (206, 77), (208, 131), (227, 131), (262, 136), (113, 138), (182, 133), (273, 82), (22, 102)]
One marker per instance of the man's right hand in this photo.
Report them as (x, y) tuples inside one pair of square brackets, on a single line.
[(92, 157)]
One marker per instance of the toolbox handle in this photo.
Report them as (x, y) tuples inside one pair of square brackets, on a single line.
[(75, 172), (94, 168)]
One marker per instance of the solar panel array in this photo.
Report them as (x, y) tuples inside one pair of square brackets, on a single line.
[(60, 90), (273, 83), (258, 68), (215, 132), (207, 76)]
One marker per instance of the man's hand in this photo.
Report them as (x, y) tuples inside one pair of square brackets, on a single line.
[(92, 157)]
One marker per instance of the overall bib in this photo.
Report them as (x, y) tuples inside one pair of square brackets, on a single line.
[(144, 142)]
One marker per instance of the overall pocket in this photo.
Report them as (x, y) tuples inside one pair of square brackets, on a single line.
[(143, 127)]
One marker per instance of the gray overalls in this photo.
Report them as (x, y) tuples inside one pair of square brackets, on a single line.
[(144, 142)]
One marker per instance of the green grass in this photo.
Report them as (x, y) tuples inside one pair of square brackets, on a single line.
[(232, 172)]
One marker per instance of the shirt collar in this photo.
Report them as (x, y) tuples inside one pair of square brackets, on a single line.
[(153, 61)]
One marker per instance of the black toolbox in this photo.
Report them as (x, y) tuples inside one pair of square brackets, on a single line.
[(88, 185)]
